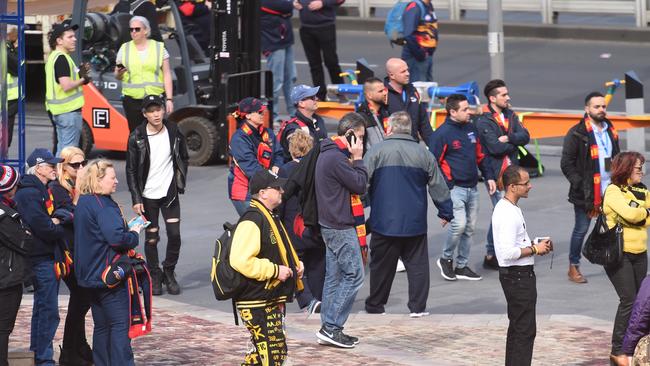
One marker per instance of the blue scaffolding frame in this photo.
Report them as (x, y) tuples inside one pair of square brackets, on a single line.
[(18, 19)]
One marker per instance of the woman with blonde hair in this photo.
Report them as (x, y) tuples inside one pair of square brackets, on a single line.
[(75, 350), (103, 234)]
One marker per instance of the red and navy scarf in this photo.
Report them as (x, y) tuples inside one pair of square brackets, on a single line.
[(62, 256), (357, 206), (593, 152)]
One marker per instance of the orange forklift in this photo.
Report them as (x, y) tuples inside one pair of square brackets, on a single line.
[(207, 83)]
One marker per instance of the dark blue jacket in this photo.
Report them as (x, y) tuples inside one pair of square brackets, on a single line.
[(458, 150), (319, 18), (409, 101), (421, 31), (244, 152), (399, 171), (315, 126), (336, 178), (100, 232), (30, 200), (275, 22), (489, 131)]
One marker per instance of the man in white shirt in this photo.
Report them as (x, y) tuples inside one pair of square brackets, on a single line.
[(156, 167), (515, 253)]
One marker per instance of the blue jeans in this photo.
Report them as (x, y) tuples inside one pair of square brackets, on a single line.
[(494, 198), (45, 312), (111, 342), (68, 129), (580, 229), (343, 276), (420, 70), (281, 63), (241, 206), (461, 228)]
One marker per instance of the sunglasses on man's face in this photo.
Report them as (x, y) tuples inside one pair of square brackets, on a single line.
[(78, 164), (135, 29)]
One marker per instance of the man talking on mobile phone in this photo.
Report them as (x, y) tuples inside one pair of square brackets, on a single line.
[(515, 254)]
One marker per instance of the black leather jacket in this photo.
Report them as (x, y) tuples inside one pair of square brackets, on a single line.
[(137, 161)]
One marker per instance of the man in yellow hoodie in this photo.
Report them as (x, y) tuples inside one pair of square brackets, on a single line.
[(262, 252)]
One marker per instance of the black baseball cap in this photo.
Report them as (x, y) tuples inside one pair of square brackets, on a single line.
[(265, 179), (151, 100), (59, 29)]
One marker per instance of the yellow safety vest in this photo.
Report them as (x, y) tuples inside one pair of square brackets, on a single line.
[(12, 87), (58, 101), (146, 78)]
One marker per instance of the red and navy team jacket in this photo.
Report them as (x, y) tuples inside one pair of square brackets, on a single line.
[(457, 148), (251, 149)]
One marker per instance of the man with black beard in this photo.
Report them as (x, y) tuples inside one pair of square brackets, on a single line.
[(587, 154)]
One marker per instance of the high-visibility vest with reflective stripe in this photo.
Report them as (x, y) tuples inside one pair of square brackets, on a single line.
[(58, 101), (12, 87), (142, 78)]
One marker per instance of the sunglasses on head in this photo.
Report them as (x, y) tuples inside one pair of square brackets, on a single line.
[(135, 29), (78, 164)]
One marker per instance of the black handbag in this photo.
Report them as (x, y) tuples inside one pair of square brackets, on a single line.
[(604, 246)]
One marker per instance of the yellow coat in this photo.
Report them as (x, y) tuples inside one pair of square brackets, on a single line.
[(634, 220)]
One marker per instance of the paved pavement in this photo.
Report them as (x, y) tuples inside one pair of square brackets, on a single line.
[(191, 335)]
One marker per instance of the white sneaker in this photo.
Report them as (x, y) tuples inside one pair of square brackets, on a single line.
[(400, 266), (419, 315)]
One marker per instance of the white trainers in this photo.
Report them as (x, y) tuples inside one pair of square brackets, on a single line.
[(400, 266), (419, 315)]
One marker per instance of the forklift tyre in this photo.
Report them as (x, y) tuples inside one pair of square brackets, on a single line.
[(201, 138), (86, 139)]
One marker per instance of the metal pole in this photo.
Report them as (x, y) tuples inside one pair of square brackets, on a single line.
[(495, 39)]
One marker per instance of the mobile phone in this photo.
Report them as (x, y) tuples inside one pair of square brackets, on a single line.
[(140, 220), (351, 137), (539, 239)]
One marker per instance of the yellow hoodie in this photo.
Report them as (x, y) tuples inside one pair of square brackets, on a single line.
[(634, 220)]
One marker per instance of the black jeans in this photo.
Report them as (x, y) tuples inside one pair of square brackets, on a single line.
[(12, 110), (152, 209), (384, 253), (132, 112), (626, 279), (316, 41), (520, 288), (74, 333), (9, 306), (314, 276)]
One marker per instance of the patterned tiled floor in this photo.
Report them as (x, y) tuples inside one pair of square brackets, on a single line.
[(186, 335)]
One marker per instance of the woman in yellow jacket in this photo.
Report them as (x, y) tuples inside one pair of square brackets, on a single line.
[(626, 201), (142, 65)]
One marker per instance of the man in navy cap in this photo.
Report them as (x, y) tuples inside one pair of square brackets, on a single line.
[(156, 170), (253, 148), (306, 101), (36, 207)]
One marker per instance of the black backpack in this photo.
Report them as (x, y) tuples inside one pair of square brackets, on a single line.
[(227, 283), (15, 245)]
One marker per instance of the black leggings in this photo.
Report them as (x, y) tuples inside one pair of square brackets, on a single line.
[(9, 306), (133, 112), (626, 279), (152, 209)]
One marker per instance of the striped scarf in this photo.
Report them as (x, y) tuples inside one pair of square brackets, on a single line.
[(593, 152), (357, 207)]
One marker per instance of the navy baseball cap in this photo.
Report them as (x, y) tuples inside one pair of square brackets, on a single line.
[(300, 92), (152, 100), (265, 179), (250, 105), (40, 156), (59, 29)]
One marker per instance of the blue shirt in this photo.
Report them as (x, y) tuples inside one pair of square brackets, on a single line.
[(604, 151)]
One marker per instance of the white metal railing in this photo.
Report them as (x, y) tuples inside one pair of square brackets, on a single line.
[(547, 8)]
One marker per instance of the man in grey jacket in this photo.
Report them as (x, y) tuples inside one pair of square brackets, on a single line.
[(399, 172)]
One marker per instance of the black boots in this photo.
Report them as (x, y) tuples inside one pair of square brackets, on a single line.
[(169, 279), (156, 281), (81, 357)]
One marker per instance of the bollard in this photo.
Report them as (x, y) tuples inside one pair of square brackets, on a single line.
[(634, 106)]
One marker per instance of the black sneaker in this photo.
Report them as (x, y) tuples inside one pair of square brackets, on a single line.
[(354, 340), (335, 338), (491, 263), (446, 269), (466, 274)]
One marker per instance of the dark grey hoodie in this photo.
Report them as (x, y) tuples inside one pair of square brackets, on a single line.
[(321, 17)]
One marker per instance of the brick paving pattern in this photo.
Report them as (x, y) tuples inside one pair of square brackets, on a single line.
[(187, 335)]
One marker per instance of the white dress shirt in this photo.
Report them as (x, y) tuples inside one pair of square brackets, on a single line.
[(509, 233)]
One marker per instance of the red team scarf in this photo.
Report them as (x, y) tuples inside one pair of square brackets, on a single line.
[(593, 151)]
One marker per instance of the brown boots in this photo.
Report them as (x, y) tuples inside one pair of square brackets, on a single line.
[(575, 275)]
